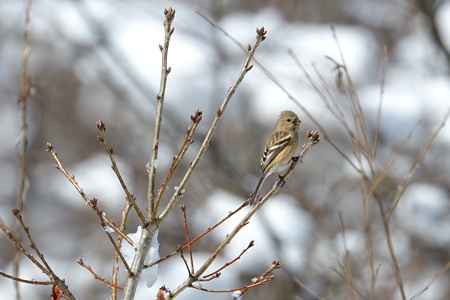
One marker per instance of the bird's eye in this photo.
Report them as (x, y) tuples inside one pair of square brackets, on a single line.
[(288, 120)]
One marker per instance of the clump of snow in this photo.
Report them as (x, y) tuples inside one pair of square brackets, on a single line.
[(129, 251), (236, 295), (109, 229)]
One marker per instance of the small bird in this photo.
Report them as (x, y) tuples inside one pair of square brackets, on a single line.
[(279, 149)]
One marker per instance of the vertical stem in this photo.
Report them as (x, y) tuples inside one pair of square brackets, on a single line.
[(148, 230), (23, 140), (168, 30)]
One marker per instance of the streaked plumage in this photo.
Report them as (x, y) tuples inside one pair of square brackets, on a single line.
[(280, 147)]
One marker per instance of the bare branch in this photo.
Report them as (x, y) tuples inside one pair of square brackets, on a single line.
[(168, 30), (416, 163), (130, 198), (195, 120), (33, 282), (260, 36), (96, 276), (188, 238), (22, 142), (216, 272), (313, 139), (199, 236), (44, 266)]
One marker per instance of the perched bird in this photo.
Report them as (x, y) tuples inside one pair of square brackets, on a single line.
[(279, 149)]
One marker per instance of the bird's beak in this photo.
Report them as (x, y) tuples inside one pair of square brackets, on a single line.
[(297, 121)]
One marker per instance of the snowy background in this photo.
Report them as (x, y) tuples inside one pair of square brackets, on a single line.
[(99, 59)]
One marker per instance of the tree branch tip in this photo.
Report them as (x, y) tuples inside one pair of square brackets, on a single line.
[(169, 69), (197, 117), (249, 68), (261, 32), (169, 13), (172, 29), (49, 147), (100, 139), (312, 133), (15, 211), (249, 47), (160, 48), (276, 264), (101, 125)]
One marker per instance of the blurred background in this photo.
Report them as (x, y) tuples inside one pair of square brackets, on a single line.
[(100, 59)]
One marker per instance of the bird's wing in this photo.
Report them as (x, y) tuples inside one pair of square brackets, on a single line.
[(276, 143)]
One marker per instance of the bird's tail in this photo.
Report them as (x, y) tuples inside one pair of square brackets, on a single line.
[(254, 196)]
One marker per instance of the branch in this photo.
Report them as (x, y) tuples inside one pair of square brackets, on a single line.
[(130, 198), (81, 263), (22, 142), (149, 229), (168, 30), (261, 280), (416, 163), (188, 238), (198, 237), (17, 279), (217, 272), (44, 266), (195, 120), (260, 36), (92, 203), (313, 139)]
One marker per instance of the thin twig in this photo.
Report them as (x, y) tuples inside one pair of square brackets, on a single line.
[(185, 261), (261, 280), (261, 32), (111, 239), (168, 30), (195, 120), (323, 132), (22, 249), (22, 142), (92, 203), (380, 100), (149, 229), (198, 237), (313, 139), (115, 267), (251, 244), (436, 276), (188, 238), (309, 289), (96, 276), (265, 276), (415, 165), (343, 277), (130, 198), (33, 282), (347, 269), (44, 267)]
